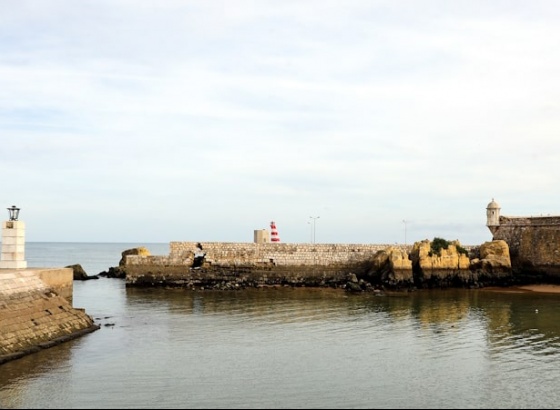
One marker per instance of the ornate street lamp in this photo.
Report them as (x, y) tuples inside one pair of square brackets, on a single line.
[(14, 213)]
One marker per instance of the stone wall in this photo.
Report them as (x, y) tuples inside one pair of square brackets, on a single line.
[(279, 254), (349, 266), (61, 280), (534, 244), (255, 263), (239, 277), (226, 254), (33, 316)]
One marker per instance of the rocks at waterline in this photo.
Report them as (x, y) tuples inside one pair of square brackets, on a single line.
[(449, 266), (80, 273), (119, 272), (429, 264)]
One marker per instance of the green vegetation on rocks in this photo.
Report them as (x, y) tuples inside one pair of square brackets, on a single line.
[(439, 243)]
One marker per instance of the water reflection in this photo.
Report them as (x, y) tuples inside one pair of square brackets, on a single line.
[(508, 319), (16, 376), (442, 349), (523, 322)]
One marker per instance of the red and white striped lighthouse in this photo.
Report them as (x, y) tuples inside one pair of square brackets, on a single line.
[(274, 233)]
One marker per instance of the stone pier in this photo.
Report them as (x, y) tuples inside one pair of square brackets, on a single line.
[(36, 311)]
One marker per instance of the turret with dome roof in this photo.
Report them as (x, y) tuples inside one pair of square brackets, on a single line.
[(493, 215)]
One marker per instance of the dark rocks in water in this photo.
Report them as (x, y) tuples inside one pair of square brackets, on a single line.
[(114, 272), (119, 272), (353, 287), (80, 273)]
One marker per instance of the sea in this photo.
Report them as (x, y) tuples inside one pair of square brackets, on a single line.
[(288, 348)]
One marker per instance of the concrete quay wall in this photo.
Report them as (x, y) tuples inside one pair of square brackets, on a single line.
[(61, 280), (33, 315)]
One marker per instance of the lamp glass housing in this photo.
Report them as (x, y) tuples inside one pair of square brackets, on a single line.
[(14, 213)]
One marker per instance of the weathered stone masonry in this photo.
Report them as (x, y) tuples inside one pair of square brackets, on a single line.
[(279, 254), (534, 243), (33, 315), (270, 263)]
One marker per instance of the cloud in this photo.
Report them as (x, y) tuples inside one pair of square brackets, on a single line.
[(170, 121)]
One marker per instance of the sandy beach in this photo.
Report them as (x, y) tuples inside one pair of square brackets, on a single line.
[(542, 288), (529, 288)]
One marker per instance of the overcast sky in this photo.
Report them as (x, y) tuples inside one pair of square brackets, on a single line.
[(391, 121)]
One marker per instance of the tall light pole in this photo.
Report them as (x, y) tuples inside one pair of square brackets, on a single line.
[(404, 222), (314, 218)]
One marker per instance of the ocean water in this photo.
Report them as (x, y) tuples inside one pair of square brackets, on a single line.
[(289, 348), (94, 257)]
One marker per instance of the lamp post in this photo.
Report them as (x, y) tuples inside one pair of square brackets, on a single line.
[(404, 222), (314, 223), (14, 213), (12, 255)]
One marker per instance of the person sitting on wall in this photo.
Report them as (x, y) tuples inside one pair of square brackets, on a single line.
[(198, 257)]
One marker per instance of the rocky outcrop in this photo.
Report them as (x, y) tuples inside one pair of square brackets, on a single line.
[(119, 272), (441, 264), (494, 258), (139, 251), (440, 267), (114, 272), (391, 268), (80, 273)]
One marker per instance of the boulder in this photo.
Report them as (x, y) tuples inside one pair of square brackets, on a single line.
[(114, 272), (140, 251), (448, 266), (391, 267), (494, 259), (80, 273), (119, 272)]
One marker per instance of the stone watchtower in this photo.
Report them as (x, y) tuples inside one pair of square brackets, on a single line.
[(493, 216)]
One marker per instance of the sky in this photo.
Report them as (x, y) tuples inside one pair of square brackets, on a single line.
[(355, 121)]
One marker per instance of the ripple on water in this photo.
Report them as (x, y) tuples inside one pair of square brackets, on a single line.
[(301, 349)]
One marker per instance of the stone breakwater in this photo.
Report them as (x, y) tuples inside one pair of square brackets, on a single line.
[(34, 316), (354, 267), (239, 265)]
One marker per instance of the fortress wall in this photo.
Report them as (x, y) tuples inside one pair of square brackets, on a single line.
[(269, 263), (254, 254), (530, 221), (534, 242), (240, 265), (280, 254), (33, 316)]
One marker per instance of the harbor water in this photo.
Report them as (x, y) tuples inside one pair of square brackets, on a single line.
[(288, 348)]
